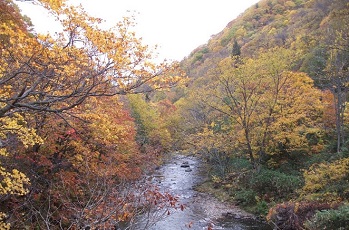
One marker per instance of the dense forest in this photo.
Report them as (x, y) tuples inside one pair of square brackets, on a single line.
[(85, 114)]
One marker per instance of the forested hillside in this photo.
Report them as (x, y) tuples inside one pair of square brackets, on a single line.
[(266, 106), (85, 114), (303, 26)]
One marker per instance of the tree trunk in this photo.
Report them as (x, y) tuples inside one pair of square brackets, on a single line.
[(249, 148)]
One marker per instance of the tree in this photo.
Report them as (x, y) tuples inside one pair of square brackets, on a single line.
[(272, 109), (57, 74), (337, 69), (88, 172), (13, 183), (43, 78), (14, 129), (236, 51), (151, 130)]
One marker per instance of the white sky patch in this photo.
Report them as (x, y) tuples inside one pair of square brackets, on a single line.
[(177, 27)]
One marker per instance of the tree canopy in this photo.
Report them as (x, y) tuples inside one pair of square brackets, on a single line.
[(62, 120)]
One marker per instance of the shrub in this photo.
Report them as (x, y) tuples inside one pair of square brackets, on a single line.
[(293, 215), (245, 197), (240, 164), (219, 161), (328, 178), (262, 208), (274, 182), (223, 164), (330, 219)]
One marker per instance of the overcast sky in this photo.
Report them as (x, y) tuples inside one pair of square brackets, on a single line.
[(177, 27)]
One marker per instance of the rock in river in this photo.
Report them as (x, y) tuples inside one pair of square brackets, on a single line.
[(185, 164)]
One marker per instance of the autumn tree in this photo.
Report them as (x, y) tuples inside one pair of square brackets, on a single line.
[(14, 130), (42, 71), (272, 109), (10, 15), (88, 172), (337, 69), (152, 133), (46, 86), (14, 183)]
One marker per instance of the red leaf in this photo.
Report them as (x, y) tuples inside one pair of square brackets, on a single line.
[(182, 207)]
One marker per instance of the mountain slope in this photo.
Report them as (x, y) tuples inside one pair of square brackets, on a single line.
[(295, 24)]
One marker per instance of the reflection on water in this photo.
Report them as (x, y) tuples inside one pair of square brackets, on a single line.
[(179, 176)]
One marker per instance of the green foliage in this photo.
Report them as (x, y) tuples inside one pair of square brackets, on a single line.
[(245, 197), (269, 108), (276, 114), (314, 63), (220, 162), (325, 156), (273, 182), (330, 219), (240, 164), (298, 2), (289, 120), (295, 24), (236, 51), (228, 36), (198, 56), (262, 208)]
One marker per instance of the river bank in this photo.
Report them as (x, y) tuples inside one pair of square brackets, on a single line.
[(181, 175)]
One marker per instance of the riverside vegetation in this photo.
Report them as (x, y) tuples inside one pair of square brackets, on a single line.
[(264, 103)]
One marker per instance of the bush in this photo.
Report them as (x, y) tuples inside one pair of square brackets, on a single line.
[(262, 208), (328, 178), (245, 197), (325, 157), (219, 161), (293, 215), (223, 164), (239, 164), (274, 182), (330, 219)]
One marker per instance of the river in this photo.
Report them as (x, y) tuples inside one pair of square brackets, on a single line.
[(179, 176)]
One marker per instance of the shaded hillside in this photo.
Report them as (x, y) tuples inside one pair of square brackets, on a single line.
[(295, 24)]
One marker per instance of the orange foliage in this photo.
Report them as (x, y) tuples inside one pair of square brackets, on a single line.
[(329, 115), (91, 163)]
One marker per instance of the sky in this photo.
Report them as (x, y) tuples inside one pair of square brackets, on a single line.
[(176, 27)]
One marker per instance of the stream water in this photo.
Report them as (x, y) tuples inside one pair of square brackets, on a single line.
[(179, 176)]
